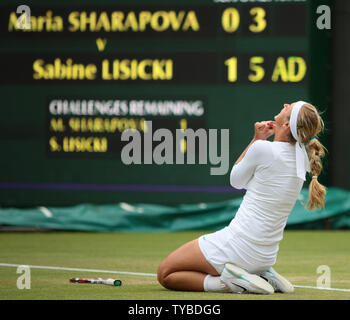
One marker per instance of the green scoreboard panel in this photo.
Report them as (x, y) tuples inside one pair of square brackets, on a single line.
[(76, 75)]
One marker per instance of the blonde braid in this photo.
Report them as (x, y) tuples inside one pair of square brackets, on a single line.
[(310, 124)]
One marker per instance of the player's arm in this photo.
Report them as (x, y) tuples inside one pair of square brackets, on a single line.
[(257, 152), (262, 130)]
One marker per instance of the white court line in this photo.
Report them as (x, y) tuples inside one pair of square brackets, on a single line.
[(134, 273), (77, 269), (320, 288)]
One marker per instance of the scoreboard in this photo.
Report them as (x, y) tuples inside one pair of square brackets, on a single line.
[(77, 75)]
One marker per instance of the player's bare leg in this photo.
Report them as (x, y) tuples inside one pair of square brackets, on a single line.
[(185, 269)]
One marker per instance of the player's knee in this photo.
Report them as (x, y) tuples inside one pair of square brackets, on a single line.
[(163, 272)]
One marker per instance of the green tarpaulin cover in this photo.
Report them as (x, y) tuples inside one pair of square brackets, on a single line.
[(126, 217)]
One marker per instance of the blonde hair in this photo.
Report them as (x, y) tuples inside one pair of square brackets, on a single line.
[(309, 125)]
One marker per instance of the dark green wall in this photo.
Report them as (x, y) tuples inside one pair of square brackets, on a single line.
[(340, 115)]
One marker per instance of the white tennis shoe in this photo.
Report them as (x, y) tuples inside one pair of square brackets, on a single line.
[(279, 283), (240, 281)]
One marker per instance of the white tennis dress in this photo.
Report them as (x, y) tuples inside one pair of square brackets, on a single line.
[(251, 241)]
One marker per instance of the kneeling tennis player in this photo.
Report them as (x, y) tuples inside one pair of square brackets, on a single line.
[(239, 258)]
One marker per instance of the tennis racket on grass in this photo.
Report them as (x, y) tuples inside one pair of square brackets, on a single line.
[(109, 281)]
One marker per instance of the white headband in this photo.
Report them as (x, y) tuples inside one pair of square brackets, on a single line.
[(302, 159)]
